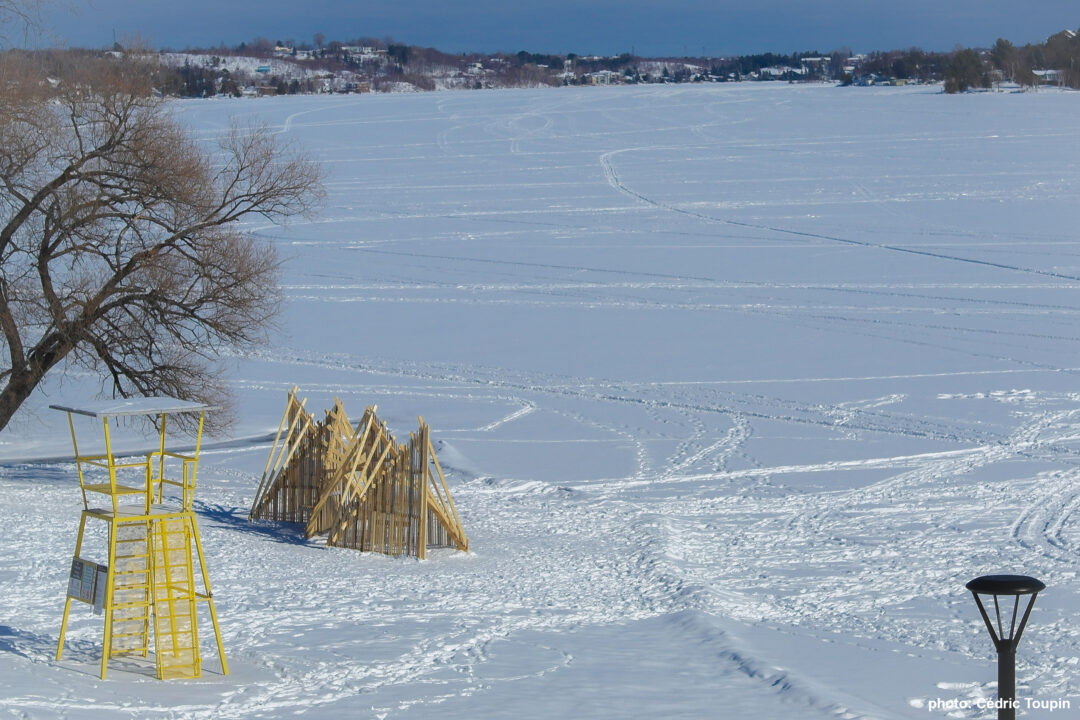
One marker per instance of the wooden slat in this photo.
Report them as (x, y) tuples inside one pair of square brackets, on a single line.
[(279, 478)]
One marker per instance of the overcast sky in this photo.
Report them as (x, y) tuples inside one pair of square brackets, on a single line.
[(649, 28)]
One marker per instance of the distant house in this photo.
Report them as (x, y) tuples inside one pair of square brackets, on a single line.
[(604, 77), (477, 69), (816, 64), (780, 71), (362, 50), (868, 79), (1050, 77)]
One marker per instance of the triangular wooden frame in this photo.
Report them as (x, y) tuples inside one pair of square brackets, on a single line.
[(358, 485), (279, 495)]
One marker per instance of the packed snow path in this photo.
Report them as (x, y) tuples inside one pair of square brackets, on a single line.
[(736, 387)]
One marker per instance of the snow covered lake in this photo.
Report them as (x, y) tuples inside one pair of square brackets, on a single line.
[(736, 387)]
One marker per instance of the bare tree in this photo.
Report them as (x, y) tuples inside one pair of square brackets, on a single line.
[(118, 243), (22, 14)]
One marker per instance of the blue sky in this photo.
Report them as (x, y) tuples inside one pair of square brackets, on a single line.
[(673, 27)]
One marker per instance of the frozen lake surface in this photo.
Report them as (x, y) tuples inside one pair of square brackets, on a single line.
[(736, 386)]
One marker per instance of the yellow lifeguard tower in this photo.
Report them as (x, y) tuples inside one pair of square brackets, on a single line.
[(146, 587)]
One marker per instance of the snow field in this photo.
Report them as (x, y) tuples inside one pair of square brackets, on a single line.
[(736, 387)]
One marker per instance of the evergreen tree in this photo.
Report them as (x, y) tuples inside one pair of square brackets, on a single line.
[(965, 71), (1005, 57)]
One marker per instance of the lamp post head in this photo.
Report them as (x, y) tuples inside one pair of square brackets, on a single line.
[(1005, 636), (1005, 585)]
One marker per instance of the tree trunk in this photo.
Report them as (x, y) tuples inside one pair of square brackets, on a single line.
[(21, 383), (18, 388)]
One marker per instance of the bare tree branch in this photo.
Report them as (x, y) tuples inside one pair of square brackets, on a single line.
[(116, 246), (23, 15)]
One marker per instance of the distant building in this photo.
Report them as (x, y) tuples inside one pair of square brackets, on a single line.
[(816, 65), (1050, 77), (868, 79), (604, 77), (780, 71), (362, 50)]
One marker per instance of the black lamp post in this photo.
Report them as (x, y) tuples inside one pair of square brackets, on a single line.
[(1006, 637)]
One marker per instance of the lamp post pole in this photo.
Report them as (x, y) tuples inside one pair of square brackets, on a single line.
[(1007, 684), (1006, 636)]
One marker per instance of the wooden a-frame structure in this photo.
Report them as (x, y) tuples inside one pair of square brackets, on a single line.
[(357, 484)]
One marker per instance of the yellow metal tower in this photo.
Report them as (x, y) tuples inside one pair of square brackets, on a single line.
[(146, 587)]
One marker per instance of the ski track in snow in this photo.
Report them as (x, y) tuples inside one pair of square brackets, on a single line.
[(815, 496)]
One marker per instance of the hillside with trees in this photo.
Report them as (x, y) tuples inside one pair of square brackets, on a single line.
[(264, 67)]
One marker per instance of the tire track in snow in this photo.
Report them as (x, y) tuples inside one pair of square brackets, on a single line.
[(718, 451), (518, 263), (1041, 525), (613, 179), (526, 409), (288, 124), (750, 406), (819, 542), (948, 459)]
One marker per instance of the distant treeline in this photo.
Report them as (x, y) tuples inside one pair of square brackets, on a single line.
[(372, 64), (1056, 61)]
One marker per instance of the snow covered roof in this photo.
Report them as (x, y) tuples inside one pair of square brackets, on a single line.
[(134, 406)]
